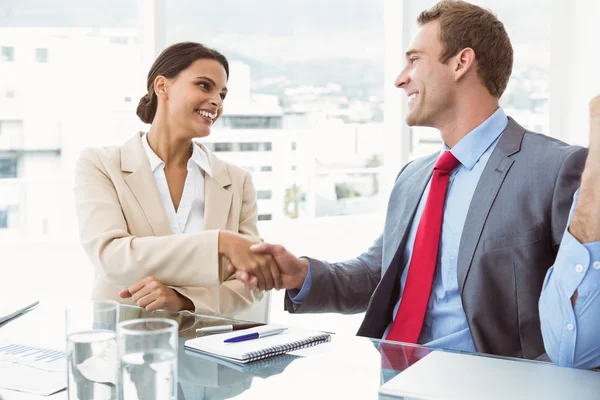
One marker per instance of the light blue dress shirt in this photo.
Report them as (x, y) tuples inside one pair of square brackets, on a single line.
[(572, 335)]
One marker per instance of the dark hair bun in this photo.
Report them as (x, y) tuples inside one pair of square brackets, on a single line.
[(146, 109)]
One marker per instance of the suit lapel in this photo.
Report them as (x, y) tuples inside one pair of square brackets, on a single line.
[(217, 199), (486, 192), (139, 179), (398, 223), (417, 184)]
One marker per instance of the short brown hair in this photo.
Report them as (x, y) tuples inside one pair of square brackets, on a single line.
[(169, 64), (465, 25)]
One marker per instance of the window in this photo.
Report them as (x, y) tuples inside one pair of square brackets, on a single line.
[(9, 94), (293, 146), (3, 218), (41, 55), (8, 167), (264, 194), (304, 53), (127, 99), (255, 146), (251, 122), (248, 146), (293, 167), (8, 54), (223, 147), (118, 40), (266, 146), (265, 217)]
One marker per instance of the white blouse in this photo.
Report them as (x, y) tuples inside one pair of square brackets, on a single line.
[(189, 217)]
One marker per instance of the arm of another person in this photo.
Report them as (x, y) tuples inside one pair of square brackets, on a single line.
[(343, 287), (570, 301), (190, 260), (318, 286)]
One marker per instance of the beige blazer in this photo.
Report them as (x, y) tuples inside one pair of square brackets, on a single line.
[(126, 233)]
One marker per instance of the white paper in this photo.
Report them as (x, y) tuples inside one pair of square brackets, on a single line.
[(32, 370)]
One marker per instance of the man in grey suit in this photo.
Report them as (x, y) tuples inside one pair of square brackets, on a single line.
[(506, 209)]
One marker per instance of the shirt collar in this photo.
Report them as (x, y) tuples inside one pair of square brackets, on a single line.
[(470, 148), (153, 159), (198, 157)]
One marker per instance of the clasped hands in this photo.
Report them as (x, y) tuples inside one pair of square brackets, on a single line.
[(262, 266)]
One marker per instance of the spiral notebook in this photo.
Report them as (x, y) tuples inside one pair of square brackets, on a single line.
[(256, 349), (263, 368)]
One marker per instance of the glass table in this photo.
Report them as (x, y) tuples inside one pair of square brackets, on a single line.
[(348, 367)]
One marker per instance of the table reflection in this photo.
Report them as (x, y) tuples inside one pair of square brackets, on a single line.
[(347, 367)]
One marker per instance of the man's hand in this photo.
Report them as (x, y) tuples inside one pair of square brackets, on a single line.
[(595, 124), (151, 295), (585, 225), (293, 270), (237, 249)]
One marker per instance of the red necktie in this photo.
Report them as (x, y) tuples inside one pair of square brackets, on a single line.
[(411, 313)]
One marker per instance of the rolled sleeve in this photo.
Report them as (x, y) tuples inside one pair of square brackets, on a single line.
[(571, 334)]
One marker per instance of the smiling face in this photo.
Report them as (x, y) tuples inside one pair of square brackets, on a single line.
[(194, 98), (429, 84)]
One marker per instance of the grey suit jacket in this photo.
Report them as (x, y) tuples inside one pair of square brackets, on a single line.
[(513, 228)]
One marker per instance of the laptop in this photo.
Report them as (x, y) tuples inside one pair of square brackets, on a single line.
[(453, 376)]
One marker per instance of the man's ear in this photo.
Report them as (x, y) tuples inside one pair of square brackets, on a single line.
[(463, 62)]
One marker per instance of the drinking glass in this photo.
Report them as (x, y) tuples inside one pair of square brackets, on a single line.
[(148, 359), (92, 356)]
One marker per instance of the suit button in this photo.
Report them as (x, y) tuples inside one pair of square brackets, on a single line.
[(570, 327), (596, 264), (579, 268)]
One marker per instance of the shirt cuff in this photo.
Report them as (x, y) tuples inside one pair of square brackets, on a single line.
[(592, 278), (573, 261), (298, 297)]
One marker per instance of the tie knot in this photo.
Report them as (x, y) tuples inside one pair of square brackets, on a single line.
[(447, 162)]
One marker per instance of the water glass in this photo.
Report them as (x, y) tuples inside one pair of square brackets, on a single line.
[(148, 359), (92, 356)]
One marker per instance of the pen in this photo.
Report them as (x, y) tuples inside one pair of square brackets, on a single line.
[(226, 328), (254, 335)]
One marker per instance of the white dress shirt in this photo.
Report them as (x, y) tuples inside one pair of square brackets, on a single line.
[(189, 217)]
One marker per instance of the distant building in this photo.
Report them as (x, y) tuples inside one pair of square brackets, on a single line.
[(251, 135), (46, 118)]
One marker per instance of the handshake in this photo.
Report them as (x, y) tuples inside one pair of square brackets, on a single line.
[(262, 266)]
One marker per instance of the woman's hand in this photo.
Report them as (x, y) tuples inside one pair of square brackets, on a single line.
[(151, 295), (237, 249)]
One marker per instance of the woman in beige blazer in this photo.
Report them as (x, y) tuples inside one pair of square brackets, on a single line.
[(158, 215)]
